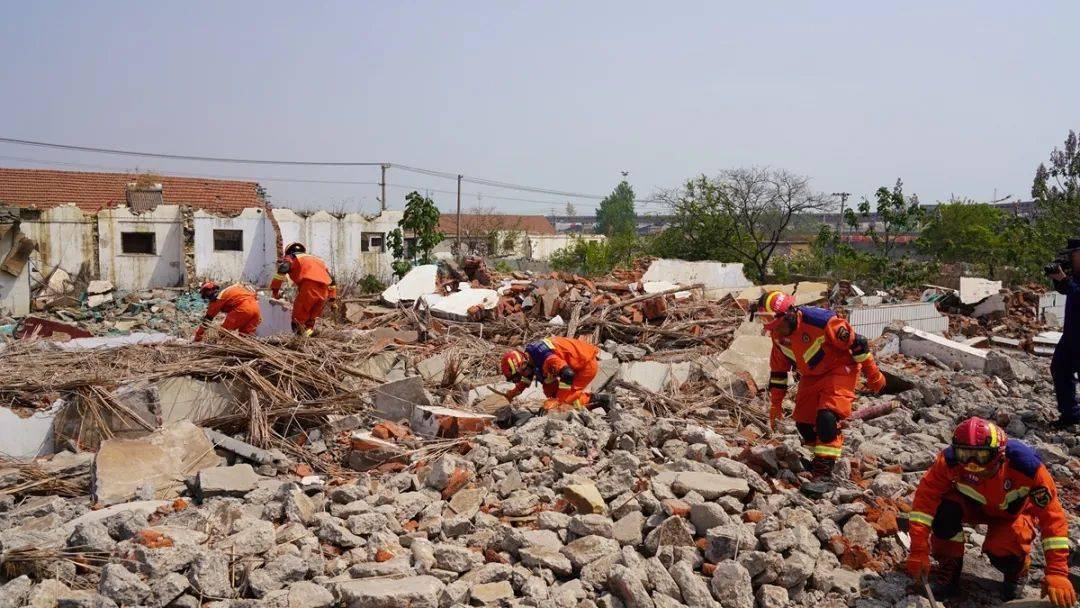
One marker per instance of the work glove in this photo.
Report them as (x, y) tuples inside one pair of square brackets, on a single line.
[(1059, 590), (918, 562), (199, 333), (876, 383)]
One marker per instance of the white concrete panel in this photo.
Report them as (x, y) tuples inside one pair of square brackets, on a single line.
[(719, 278), (65, 239), (254, 264), (871, 321), (133, 271)]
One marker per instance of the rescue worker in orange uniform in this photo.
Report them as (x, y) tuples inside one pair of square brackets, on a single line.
[(563, 366), (239, 303), (826, 354), (314, 286), (985, 478)]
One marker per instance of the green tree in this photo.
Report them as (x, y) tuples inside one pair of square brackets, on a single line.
[(422, 219), (963, 231), (1056, 191), (896, 215), (616, 213)]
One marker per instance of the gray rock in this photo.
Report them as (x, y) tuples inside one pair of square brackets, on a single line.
[(771, 596), (441, 471), (467, 502), (552, 520), (455, 558), (731, 586), (888, 484), (860, 532), (596, 573), (155, 563), (659, 579), (126, 524), (728, 540), (779, 541), (13, 594), (672, 532), (236, 480), (121, 586), (543, 557), (592, 524), (1007, 368), (167, 588), (91, 537), (798, 567), (520, 504), (84, 599), (588, 548), (628, 587), (306, 594), (46, 593), (628, 530), (209, 575), (564, 463), (297, 507), (486, 594), (276, 574), (411, 592), (332, 530), (366, 524), (695, 591), (707, 515)]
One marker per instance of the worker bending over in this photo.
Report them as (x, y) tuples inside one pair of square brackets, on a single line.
[(314, 286), (984, 478), (237, 301), (827, 354), (564, 366)]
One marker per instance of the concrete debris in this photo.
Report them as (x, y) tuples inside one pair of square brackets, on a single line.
[(719, 279), (871, 321), (917, 343), (974, 290), (418, 282), (465, 304)]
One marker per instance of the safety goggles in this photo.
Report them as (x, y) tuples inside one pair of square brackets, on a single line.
[(980, 456)]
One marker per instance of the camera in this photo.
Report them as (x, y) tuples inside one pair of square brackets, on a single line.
[(1060, 263)]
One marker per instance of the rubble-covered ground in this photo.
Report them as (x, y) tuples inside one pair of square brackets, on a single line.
[(325, 487)]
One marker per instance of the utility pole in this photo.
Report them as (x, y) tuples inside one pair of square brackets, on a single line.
[(840, 219), (459, 215), (382, 183)]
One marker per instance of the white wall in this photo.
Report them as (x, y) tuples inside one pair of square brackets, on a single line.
[(132, 271), (339, 240), (541, 246), (14, 291), (254, 264), (65, 238)]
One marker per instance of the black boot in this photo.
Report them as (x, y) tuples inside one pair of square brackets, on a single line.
[(602, 400), (1015, 574), (945, 579)]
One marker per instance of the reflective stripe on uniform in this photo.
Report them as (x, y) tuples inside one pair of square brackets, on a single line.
[(279, 277), (811, 355), (920, 517), (827, 450), (971, 493), (1055, 542), (790, 354), (959, 538), (564, 386), (1011, 496), (778, 382), (860, 358)]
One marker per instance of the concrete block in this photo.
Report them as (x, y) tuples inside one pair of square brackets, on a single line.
[(408, 592), (434, 421), (871, 321), (651, 375), (236, 480), (457, 305), (719, 278), (432, 368), (29, 437), (974, 290), (276, 318), (917, 343), (748, 354), (185, 398), (604, 373), (993, 306), (417, 282), (396, 400)]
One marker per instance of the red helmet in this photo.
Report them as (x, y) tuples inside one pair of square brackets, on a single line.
[(209, 290), (978, 442), (774, 303), (513, 363), (294, 248)]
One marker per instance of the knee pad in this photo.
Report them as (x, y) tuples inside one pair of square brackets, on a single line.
[(827, 426), (806, 431), (948, 521)]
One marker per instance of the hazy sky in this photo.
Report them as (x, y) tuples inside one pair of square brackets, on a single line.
[(957, 98)]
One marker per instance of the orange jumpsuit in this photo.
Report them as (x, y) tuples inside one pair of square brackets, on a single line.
[(241, 307), (1013, 502), (549, 357), (825, 353), (314, 286)]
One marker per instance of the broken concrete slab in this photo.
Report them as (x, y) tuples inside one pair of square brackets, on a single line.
[(396, 400), (753, 292), (432, 368), (662, 286), (719, 278), (871, 321), (992, 307), (650, 375), (417, 282), (974, 290), (185, 398), (158, 463), (113, 341), (28, 433), (604, 373), (917, 343), (369, 451), (433, 421), (97, 300), (276, 317), (748, 354), (462, 304), (235, 480), (408, 592), (809, 292), (1052, 308), (98, 287)]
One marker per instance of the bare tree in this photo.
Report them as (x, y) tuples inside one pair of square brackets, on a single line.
[(740, 215), (488, 232)]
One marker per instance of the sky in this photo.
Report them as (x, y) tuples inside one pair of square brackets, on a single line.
[(958, 99)]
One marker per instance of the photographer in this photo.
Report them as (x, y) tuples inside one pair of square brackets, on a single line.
[(1065, 273)]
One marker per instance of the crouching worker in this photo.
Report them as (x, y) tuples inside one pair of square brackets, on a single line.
[(827, 354), (985, 478), (314, 286), (239, 303), (563, 366)]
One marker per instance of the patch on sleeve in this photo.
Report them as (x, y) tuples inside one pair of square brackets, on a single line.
[(1040, 496), (843, 334)]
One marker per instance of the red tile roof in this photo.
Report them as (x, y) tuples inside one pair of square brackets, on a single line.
[(474, 225), (91, 192)]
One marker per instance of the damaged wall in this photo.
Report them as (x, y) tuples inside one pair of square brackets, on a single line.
[(541, 246), (65, 238), (220, 255), (14, 290), (142, 251), (353, 245)]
